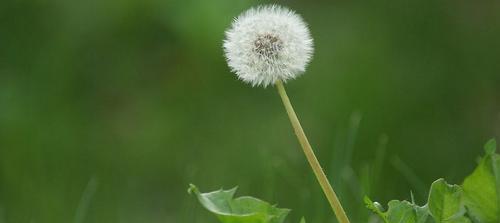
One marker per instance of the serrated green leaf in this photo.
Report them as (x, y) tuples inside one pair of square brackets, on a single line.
[(423, 215), (481, 188), (239, 210), (445, 202), (401, 211)]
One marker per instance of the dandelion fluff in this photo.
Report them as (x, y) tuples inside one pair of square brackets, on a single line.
[(266, 44)]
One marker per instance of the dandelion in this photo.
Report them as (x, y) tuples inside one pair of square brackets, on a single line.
[(270, 45), (267, 44)]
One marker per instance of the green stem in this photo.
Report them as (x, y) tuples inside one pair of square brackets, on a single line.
[(311, 158)]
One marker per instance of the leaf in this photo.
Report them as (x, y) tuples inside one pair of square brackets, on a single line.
[(423, 215), (441, 205), (239, 210), (481, 188), (445, 202), (400, 212)]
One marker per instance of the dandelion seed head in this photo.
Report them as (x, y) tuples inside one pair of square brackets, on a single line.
[(266, 44)]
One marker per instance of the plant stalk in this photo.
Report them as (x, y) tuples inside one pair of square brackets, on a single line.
[(311, 157)]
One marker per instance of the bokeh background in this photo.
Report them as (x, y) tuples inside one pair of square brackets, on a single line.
[(109, 109)]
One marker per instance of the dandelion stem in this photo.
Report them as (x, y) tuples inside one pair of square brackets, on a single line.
[(311, 158)]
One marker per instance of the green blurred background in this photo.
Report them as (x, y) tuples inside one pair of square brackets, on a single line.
[(109, 109)]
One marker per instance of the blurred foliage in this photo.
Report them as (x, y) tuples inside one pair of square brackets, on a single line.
[(108, 109)]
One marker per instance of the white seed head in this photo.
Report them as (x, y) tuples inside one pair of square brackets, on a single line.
[(266, 44)]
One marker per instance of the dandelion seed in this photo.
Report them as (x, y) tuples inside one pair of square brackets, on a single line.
[(268, 44)]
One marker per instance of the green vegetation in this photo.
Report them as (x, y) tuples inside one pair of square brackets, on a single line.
[(476, 200)]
